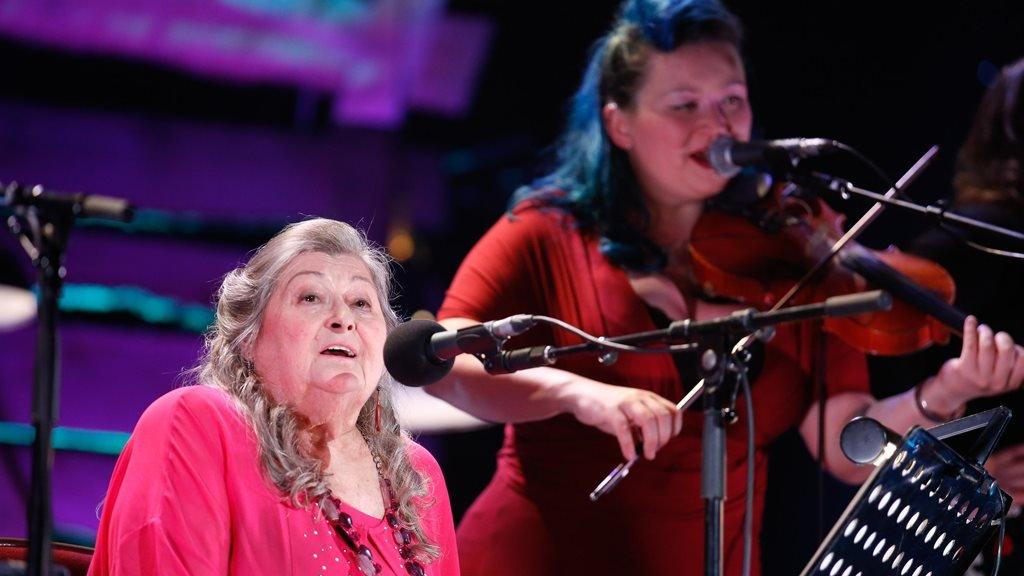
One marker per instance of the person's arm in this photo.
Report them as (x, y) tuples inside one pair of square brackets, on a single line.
[(1007, 467), (521, 265), (166, 510), (540, 393), (989, 365)]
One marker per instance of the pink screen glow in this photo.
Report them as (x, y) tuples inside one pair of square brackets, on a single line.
[(378, 59)]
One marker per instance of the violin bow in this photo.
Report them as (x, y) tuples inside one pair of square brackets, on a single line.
[(870, 216), (622, 470)]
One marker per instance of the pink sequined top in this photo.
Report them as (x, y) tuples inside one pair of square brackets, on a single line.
[(188, 497)]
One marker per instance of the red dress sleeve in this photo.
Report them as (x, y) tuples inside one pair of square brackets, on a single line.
[(166, 509), (509, 270)]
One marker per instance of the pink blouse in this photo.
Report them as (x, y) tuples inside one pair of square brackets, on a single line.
[(188, 496)]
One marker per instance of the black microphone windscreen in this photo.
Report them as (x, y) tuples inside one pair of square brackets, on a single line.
[(407, 354), (864, 439)]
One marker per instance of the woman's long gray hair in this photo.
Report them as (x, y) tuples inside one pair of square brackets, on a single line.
[(241, 301)]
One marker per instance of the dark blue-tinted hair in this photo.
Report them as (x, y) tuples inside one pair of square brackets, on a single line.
[(593, 179)]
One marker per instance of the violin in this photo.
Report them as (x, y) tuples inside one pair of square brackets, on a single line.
[(756, 254)]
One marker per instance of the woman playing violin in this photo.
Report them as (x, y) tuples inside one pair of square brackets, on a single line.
[(602, 243)]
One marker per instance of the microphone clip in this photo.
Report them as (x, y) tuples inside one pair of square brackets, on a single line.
[(509, 361)]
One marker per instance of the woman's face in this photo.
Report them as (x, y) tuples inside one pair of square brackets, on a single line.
[(320, 345), (687, 98)]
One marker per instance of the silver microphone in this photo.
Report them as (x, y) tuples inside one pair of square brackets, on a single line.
[(728, 156)]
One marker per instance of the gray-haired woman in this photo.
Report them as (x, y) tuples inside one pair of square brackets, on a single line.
[(288, 458)]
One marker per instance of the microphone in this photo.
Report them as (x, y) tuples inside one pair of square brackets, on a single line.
[(80, 205), (866, 441), (421, 352), (728, 156)]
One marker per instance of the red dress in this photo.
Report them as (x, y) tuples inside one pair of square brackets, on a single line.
[(535, 517), (188, 496)]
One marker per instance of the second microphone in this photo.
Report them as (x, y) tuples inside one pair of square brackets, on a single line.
[(421, 352)]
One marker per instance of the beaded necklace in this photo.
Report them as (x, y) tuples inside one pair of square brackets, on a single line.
[(343, 525)]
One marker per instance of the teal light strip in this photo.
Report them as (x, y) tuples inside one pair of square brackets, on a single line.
[(138, 302), (16, 434), (64, 438), (74, 534)]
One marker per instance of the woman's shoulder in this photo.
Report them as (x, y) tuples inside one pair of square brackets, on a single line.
[(198, 406), (527, 227), (422, 460), (544, 209), (193, 397), (436, 503)]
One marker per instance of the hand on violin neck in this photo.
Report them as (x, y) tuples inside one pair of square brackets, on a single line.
[(989, 364)]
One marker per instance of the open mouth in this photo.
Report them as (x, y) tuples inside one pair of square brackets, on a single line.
[(701, 158), (338, 350)]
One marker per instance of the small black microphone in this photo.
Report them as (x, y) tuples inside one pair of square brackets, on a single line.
[(865, 441), (728, 156), (509, 361), (79, 205), (421, 352)]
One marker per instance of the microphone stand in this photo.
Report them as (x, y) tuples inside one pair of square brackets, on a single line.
[(43, 220), (722, 350), (829, 183), (719, 411)]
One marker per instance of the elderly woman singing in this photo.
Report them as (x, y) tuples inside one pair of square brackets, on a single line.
[(287, 457)]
